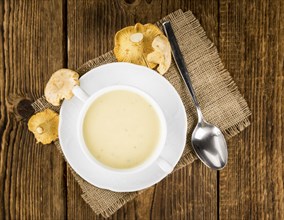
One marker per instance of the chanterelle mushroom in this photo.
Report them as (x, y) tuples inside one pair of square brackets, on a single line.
[(44, 125), (134, 43), (60, 86), (161, 54)]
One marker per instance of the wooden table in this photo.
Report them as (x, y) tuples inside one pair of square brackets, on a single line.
[(39, 37)]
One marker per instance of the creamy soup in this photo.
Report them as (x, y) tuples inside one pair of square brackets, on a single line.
[(121, 129)]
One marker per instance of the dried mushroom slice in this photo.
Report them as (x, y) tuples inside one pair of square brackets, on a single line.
[(44, 125), (60, 86), (134, 43), (161, 54)]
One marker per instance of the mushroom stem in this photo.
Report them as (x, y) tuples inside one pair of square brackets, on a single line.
[(39, 130), (137, 37)]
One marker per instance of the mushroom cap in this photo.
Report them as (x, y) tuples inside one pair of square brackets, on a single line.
[(44, 126), (60, 86), (133, 44), (161, 54)]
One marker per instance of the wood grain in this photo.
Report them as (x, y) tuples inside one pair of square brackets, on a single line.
[(91, 29), (32, 182), (251, 45), (39, 37), (3, 116)]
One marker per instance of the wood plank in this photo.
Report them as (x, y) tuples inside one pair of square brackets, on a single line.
[(251, 46), (3, 117), (190, 193), (31, 175)]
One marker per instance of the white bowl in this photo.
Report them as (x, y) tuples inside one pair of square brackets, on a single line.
[(88, 100), (151, 84)]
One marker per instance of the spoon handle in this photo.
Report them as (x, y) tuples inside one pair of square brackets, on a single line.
[(181, 64)]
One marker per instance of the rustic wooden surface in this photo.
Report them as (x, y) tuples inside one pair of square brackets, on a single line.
[(39, 37)]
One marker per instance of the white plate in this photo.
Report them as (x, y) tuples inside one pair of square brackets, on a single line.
[(151, 83)]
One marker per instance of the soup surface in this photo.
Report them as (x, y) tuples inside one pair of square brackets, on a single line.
[(121, 129)]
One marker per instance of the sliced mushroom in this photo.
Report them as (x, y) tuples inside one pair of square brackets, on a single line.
[(161, 54), (44, 126), (60, 86), (134, 43)]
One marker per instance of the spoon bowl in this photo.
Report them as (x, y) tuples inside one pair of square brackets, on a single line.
[(210, 146)]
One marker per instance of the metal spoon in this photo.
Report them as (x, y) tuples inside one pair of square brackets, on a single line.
[(207, 140)]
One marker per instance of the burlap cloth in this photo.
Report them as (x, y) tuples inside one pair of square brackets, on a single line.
[(220, 100)]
